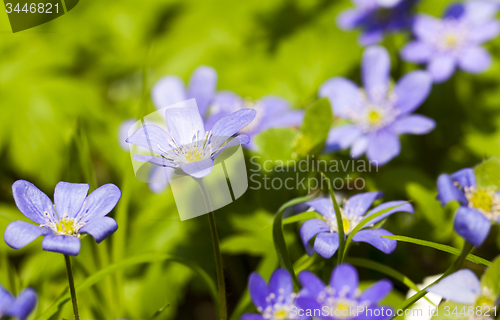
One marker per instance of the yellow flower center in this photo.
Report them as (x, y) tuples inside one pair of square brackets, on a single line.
[(451, 40), (374, 117), (346, 224), (67, 226), (481, 199), (342, 310), (193, 156), (280, 315)]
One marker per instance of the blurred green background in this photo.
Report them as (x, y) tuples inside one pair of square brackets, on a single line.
[(66, 86)]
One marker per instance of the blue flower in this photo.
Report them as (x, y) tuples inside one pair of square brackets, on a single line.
[(376, 17), (380, 112), (354, 210), (479, 206), (341, 298), (272, 112), (464, 287), (274, 301), (19, 307), (455, 40), (186, 145), (61, 225)]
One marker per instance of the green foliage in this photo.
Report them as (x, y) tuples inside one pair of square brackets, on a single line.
[(488, 173), (491, 279)]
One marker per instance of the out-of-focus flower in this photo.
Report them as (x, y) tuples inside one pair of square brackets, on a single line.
[(341, 298), (62, 224), (274, 301), (479, 206), (354, 210), (18, 307), (187, 145), (379, 113), (455, 40), (423, 309), (464, 287), (271, 112), (377, 17)]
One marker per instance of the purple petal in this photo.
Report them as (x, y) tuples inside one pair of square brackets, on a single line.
[(274, 105), (123, 132), (485, 32), (359, 147), (311, 284), (151, 137), (309, 229), (23, 304), (69, 197), (322, 205), (340, 138), (281, 285), (478, 12), (168, 91), (412, 90), (258, 290), (100, 202), (441, 67), (198, 169), (376, 292), (202, 86), (413, 124), (426, 27), (100, 228), (382, 147), (184, 121), (471, 225), (357, 205), (286, 119), (6, 300), (448, 191), (309, 306), (18, 234), (376, 313), (62, 244), (326, 244), (373, 237), (349, 19), (252, 316), (376, 69), (462, 287), (371, 37), (417, 51), (230, 125), (388, 3), (343, 94), (474, 60), (32, 202), (159, 178), (455, 11), (465, 177), (403, 206), (158, 161), (345, 279)]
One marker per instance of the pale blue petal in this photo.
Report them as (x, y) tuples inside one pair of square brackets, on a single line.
[(62, 244), (18, 234), (462, 287), (69, 197), (100, 228), (376, 68)]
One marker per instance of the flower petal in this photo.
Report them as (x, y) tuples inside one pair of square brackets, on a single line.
[(485, 32), (123, 132), (474, 60), (309, 229), (371, 37), (23, 304), (412, 90), (198, 169), (69, 197), (168, 91), (382, 147), (376, 313), (159, 178), (100, 202), (403, 206), (32, 202), (357, 205), (100, 228), (281, 285), (252, 316), (202, 86), (448, 191), (258, 290), (158, 161), (230, 125), (62, 244), (462, 287), (349, 19), (289, 118), (359, 147), (413, 124), (341, 137), (322, 205), (309, 305), (6, 300), (376, 70), (373, 237), (326, 244), (344, 96), (441, 67), (376, 292), (151, 137), (417, 51), (478, 12), (18, 234), (465, 177), (274, 105), (312, 285), (345, 279), (426, 27), (184, 122), (471, 225)]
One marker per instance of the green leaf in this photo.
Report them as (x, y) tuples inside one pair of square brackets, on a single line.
[(301, 217), (491, 278), (248, 243), (146, 258), (279, 240), (447, 309), (488, 173), (276, 144), (441, 247), (314, 130)]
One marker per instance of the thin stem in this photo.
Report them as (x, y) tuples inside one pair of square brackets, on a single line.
[(218, 257), (72, 286)]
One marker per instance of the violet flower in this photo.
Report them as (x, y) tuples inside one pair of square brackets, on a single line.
[(18, 307)]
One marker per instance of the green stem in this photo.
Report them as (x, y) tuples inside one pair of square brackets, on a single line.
[(72, 286), (454, 267), (218, 257), (340, 222)]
